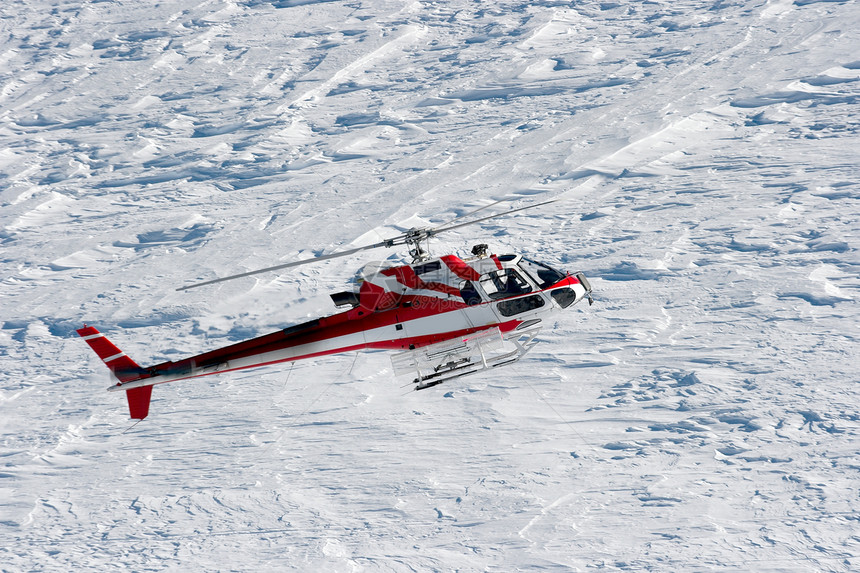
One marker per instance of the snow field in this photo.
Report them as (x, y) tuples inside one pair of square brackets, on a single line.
[(702, 415)]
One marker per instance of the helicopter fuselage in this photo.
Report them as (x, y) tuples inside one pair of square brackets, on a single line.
[(396, 308)]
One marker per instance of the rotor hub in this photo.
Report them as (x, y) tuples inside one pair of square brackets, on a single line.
[(414, 238)]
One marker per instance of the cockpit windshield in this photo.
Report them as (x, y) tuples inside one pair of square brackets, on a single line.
[(543, 275)]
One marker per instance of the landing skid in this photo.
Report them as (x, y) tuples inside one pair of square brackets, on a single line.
[(462, 356)]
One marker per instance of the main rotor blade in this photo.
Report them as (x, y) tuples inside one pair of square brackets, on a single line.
[(398, 240), (292, 264), (470, 213), (436, 230)]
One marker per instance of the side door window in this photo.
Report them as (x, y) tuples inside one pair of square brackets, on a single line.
[(470, 293), (519, 305)]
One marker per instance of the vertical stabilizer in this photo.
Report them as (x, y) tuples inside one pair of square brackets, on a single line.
[(138, 401), (123, 368)]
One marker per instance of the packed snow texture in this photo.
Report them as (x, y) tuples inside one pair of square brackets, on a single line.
[(701, 416)]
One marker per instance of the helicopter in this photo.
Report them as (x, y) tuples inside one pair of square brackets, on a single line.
[(446, 317)]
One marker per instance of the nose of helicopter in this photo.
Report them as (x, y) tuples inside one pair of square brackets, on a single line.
[(585, 285), (575, 290)]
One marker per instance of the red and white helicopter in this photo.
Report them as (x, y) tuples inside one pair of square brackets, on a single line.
[(447, 316)]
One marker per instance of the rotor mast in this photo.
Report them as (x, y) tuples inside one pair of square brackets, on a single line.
[(413, 239)]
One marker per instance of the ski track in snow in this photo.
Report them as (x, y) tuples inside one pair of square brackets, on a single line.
[(701, 416)]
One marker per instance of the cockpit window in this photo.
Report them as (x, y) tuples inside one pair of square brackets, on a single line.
[(504, 283), (543, 275)]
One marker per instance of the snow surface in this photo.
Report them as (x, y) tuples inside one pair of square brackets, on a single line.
[(701, 416)]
